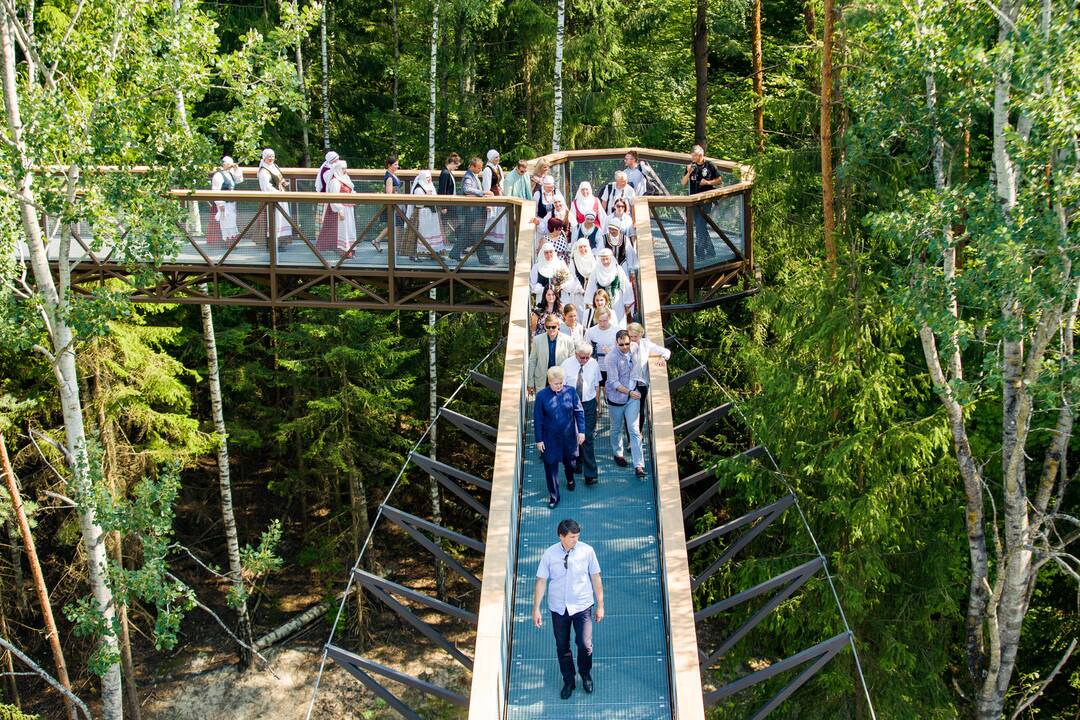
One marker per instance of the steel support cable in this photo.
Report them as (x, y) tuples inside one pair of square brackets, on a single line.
[(378, 516), (802, 516)]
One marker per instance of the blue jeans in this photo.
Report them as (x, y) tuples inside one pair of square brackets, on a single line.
[(627, 416), (582, 624)]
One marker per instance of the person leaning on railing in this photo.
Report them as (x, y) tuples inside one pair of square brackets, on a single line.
[(701, 176), (473, 230)]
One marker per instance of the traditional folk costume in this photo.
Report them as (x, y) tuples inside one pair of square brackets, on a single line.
[(222, 228), (548, 265), (426, 217), (545, 199), (272, 180), (585, 203), (582, 263), (594, 235), (338, 231), (491, 180), (608, 276)]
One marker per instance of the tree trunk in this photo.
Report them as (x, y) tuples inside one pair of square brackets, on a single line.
[(827, 196), (305, 140), (134, 711), (323, 51), (701, 73), (759, 77), (53, 297), (433, 436), (17, 569), (396, 125), (9, 663), (228, 518), (39, 579), (433, 81), (560, 38)]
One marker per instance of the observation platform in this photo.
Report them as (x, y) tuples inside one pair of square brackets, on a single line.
[(695, 263)]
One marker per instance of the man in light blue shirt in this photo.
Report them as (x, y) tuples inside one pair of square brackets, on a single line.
[(624, 401), (574, 575)]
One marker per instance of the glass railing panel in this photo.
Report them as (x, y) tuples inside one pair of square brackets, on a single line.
[(669, 236), (248, 247), (710, 247)]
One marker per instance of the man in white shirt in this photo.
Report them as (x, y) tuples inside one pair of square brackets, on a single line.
[(634, 175), (583, 374), (574, 575)]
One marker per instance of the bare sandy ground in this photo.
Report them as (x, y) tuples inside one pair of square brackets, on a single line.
[(208, 687)]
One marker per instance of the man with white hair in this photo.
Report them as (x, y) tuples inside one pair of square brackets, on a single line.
[(559, 424), (618, 190), (701, 175), (583, 374)]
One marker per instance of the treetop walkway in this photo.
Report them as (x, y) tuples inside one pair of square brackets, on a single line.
[(406, 274)]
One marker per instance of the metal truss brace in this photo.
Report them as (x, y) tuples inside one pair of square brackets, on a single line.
[(478, 431), (766, 515), (713, 489), (489, 382), (788, 583), (696, 426), (819, 655), (446, 475), (384, 590), (676, 383), (362, 670), (413, 525)]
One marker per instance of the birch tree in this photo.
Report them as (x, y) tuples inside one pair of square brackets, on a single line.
[(998, 333), (560, 36), (102, 93)]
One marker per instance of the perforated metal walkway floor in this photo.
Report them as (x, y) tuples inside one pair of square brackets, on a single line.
[(630, 647)]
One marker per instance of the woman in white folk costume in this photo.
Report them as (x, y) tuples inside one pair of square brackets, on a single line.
[(338, 231), (608, 276), (271, 180), (322, 178), (627, 259), (222, 228), (548, 265), (426, 217), (545, 197), (621, 216), (582, 262), (584, 204), (491, 180), (591, 231)]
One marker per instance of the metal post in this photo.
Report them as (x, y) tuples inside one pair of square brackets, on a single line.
[(690, 250), (271, 246)]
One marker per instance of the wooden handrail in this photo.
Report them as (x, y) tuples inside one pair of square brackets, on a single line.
[(345, 198), (487, 700), (685, 672)]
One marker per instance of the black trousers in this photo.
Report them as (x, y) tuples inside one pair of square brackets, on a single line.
[(586, 461), (582, 624)]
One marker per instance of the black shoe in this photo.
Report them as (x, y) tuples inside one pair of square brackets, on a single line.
[(620, 460), (639, 471), (570, 485), (590, 481), (552, 503), (586, 684), (567, 690)]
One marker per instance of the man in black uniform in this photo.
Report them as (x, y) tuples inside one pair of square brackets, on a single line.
[(702, 176)]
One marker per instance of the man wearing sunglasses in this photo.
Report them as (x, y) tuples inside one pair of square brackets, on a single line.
[(574, 575), (548, 351)]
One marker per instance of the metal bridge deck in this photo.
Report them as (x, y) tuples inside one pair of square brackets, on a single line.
[(630, 646)]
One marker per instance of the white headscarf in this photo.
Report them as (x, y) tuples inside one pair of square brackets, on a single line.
[(266, 155), (586, 185), (227, 160), (340, 171), (605, 274), (423, 180), (548, 268), (320, 177), (492, 155), (583, 262)]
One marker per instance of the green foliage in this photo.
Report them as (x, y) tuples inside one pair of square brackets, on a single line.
[(10, 712), (257, 562)]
